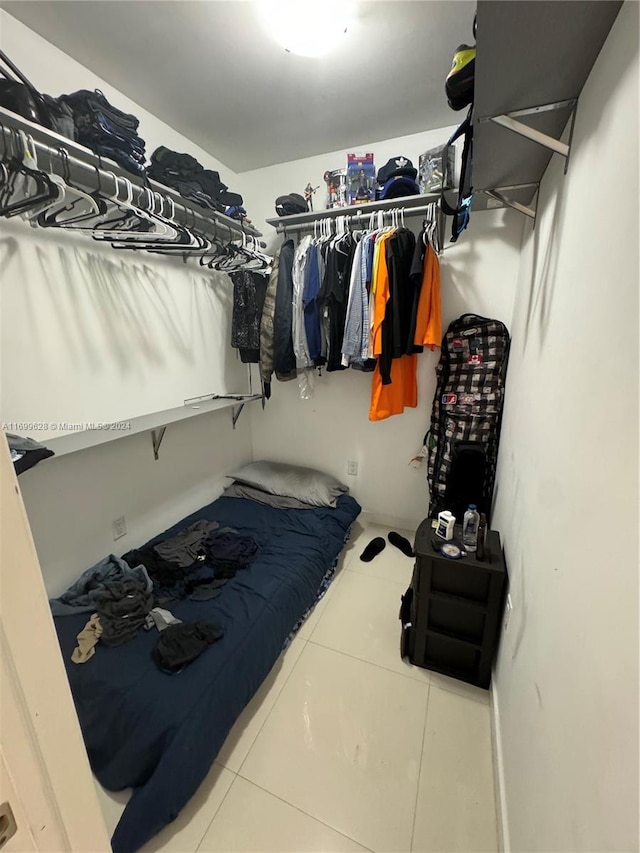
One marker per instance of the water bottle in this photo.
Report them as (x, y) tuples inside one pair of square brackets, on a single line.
[(470, 528)]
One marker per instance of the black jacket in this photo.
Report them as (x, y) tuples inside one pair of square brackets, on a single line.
[(284, 359)]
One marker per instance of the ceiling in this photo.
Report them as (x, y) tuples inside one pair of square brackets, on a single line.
[(209, 70)]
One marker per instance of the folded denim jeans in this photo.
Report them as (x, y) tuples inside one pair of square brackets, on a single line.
[(85, 100), (99, 137), (117, 130), (126, 161)]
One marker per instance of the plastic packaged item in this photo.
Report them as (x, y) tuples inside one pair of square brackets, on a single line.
[(336, 181), (470, 525), (361, 178), (433, 169)]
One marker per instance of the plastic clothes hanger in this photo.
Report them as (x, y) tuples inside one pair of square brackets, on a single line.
[(145, 216), (57, 215), (23, 172), (32, 214), (4, 172), (164, 232)]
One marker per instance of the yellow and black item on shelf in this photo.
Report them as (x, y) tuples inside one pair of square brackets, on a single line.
[(460, 79), (459, 82)]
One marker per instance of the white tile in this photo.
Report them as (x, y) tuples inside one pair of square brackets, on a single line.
[(112, 804), (362, 620), (390, 564), (456, 807), (185, 833), (343, 744), (454, 685), (249, 723), (253, 821)]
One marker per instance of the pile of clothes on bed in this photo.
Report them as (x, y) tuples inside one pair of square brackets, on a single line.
[(131, 594)]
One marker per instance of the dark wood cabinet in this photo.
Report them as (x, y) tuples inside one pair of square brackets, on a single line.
[(451, 622)]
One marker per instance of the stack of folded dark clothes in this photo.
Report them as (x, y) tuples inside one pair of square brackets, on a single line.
[(106, 129), (184, 174), (123, 606)]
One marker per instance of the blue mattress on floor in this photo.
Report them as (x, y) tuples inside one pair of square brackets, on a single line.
[(160, 733)]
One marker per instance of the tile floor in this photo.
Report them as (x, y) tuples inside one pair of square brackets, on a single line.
[(346, 747)]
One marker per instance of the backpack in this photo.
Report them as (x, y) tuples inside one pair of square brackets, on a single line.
[(462, 442), (20, 96), (462, 211), (460, 80), (459, 88)]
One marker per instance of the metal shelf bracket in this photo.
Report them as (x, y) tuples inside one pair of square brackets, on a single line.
[(522, 208), (156, 438), (235, 414), (510, 121)]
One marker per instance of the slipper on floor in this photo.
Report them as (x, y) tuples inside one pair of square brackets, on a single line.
[(400, 542), (373, 549)]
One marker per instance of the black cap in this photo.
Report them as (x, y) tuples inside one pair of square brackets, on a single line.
[(397, 187), (286, 205), (396, 166)]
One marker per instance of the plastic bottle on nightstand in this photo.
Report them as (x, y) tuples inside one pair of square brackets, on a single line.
[(470, 525)]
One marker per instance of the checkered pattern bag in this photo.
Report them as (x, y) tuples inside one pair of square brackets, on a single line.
[(467, 407)]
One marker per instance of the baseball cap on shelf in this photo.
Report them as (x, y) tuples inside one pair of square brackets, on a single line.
[(394, 167), (397, 187)]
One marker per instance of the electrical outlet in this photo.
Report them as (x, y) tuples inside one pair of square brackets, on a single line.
[(119, 527), (508, 609), (352, 468)]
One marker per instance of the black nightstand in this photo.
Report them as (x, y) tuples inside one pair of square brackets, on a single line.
[(451, 614)]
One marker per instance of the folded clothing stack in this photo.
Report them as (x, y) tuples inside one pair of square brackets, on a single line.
[(122, 607), (184, 174), (105, 129)]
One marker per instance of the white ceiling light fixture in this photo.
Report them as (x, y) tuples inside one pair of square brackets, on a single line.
[(307, 27)]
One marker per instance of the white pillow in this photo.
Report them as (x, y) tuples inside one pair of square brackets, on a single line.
[(292, 481)]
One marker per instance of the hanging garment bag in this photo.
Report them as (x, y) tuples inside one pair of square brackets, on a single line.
[(462, 441)]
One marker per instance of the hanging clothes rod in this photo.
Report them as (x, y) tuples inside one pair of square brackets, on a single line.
[(286, 223), (92, 173)]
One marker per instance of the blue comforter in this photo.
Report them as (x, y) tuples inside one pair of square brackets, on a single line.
[(160, 733)]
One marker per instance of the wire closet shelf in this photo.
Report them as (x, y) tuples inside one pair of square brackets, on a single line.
[(51, 181)]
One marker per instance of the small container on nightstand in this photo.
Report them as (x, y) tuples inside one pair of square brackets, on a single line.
[(456, 606)]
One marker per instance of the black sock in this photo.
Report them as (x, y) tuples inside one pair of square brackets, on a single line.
[(373, 549), (400, 542)]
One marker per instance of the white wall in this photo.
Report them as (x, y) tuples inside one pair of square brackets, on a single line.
[(72, 500), (91, 334), (94, 334), (567, 499), (263, 186), (478, 274)]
